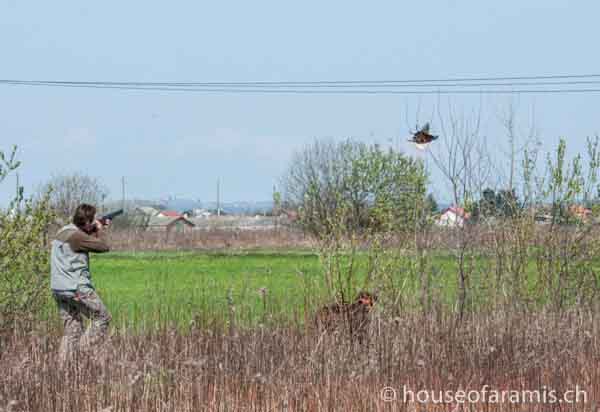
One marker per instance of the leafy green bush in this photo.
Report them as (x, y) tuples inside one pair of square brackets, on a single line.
[(24, 253), (361, 186)]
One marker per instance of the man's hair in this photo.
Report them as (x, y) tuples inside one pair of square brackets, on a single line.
[(84, 214)]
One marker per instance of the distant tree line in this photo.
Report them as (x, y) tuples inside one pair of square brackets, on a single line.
[(503, 203)]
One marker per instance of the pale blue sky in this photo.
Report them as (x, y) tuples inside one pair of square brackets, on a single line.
[(170, 143)]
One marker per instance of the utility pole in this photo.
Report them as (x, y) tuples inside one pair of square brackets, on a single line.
[(123, 192), (218, 197)]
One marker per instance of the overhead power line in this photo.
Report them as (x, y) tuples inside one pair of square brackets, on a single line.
[(186, 86), (298, 83), (354, 91), (582, 83)]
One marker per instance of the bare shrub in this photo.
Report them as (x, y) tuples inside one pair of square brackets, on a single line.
[(147, 240), (70, 190)]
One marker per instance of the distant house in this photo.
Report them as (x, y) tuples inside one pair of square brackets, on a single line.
[(202, 213), (543, 218), (177, 224), (292, 215), (580, 212), (169, 213), (197, 212), (147, 210), (453, 217)]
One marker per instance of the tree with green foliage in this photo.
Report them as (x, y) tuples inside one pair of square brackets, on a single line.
[(503, 203), (366, 186), (566, 183), (431, 204), (23, 253), (277, 206), (487, 204)]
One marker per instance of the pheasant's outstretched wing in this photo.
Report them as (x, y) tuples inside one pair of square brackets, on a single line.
[(425, 128)]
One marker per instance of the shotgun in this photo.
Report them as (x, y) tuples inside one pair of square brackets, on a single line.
[(110, 216)]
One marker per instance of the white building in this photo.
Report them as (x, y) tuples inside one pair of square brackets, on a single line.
[(147, 210), (453, 217)]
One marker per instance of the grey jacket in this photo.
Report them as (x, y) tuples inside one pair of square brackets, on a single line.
[(70, 261)]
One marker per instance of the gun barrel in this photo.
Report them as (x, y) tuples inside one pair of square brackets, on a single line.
[(111, 215)]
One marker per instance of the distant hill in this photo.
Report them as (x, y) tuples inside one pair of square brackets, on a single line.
[(443, 206), (181, 205), (241, 207), (232, 208)]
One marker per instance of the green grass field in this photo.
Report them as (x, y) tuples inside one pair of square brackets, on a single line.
[(144, 290), (148, 289)]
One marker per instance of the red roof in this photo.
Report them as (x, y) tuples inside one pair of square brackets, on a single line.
[(459, 211), (580, 211), (170, 213)]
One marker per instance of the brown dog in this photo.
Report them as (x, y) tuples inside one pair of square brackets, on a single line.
[(354, 317)]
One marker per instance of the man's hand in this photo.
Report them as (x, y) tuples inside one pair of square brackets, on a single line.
[(101, 225)]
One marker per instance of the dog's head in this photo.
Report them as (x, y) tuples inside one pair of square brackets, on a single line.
[(366, 299)]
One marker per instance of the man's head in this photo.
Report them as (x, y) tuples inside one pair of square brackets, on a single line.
[(85, 217)]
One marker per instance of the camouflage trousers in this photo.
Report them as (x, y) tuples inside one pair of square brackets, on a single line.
[(73, 307)]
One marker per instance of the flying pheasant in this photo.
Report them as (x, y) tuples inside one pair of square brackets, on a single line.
[(422, 137)]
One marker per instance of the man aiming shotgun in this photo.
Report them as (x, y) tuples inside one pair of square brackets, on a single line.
[(71, 281)]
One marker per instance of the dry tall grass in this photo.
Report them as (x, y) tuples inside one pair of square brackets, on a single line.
[(520, 332), (290, 368), (140, 240)]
